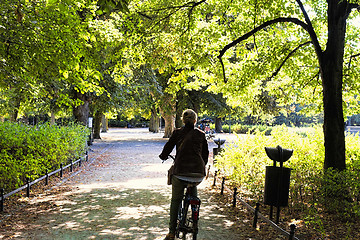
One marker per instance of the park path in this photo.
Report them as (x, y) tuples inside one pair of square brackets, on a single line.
[(122, 194)]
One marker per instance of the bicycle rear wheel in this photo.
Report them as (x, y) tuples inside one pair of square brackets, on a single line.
[(187, 225), (192, 218)]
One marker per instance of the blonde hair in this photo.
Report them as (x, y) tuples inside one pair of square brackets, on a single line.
[(189, 116)]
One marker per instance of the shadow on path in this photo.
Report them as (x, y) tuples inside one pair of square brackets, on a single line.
[(122, 195)]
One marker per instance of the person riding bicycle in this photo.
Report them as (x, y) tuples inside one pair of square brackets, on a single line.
[(189, 166)]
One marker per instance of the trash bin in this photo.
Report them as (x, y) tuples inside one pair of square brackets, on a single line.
[(277, 179), (277, 183)]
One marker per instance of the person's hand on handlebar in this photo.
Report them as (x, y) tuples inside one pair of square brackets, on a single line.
[(163, 157)]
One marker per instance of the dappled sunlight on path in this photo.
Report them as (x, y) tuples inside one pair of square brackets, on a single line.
[(122, 195)]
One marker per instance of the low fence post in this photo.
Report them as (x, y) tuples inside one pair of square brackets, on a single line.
[(80, 162), (87, 156), (277, 214), (215, 178), (208, 172), (71, 166), (2, 200), (292, 231), (222, 186), (47, 177), (28, 187), (61, 170), (234, 197), (256, 214)]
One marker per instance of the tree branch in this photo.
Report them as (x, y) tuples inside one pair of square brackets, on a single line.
[(144, 15), (310, 30), (351, 57), (354, 56), (355, 6), (287, 57), (195, 4), (255, 30), (262, 26), (223, 68), (316, 76), (174, 9)]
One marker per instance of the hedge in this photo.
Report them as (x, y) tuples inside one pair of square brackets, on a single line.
[(28, 151)]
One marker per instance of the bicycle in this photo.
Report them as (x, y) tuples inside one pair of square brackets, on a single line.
[(188, 214), (187, 221)]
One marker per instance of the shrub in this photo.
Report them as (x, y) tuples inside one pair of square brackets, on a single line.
[(28, 151), (244, 129), (244, 164)]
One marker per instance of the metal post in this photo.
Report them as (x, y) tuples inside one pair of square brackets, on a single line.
[(61, 170), (80, 162), (28, 187), (2, 200), (256, 213), (208, 172), (234, 197), (47, 177), (292, 231), (215, 178), (87, 156), (71, 166), (222, 186), (277, 214)]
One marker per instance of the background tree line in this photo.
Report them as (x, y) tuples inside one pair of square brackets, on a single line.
[(255, 57)]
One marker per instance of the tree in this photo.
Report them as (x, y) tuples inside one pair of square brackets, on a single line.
[(281, 56), (36, 59), (330, 60), (49, 53)]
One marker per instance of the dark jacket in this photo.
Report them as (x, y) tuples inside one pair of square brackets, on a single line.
[(191, 154)]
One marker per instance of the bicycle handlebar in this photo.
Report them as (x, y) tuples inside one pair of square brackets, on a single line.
[(171, 156)]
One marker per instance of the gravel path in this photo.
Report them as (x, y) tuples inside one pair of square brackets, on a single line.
[(123, 194)]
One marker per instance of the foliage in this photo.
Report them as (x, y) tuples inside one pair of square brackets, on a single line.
[(28, 151), (311, 187), (51, 49), (246, 129)]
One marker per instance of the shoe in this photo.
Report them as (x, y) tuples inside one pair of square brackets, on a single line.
[(170, 236)]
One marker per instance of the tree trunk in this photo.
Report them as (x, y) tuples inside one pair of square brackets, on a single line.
[(52, 119), (97, 124), (218, 125), (180, 107), (16, 106), (168, 112), (331, 65), (154, 121), (104, 124), (178, 120), (169, 124), (81, 112)]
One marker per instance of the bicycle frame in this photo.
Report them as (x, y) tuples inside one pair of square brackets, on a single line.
[(188, 224)]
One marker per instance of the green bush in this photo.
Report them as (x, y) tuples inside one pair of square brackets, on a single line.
[(244, 162), (28, 151), (244, 129)]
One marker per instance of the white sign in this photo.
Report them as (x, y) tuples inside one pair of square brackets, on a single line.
[(90, 122)]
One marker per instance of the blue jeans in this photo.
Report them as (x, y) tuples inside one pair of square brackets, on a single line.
[(178, 187)]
